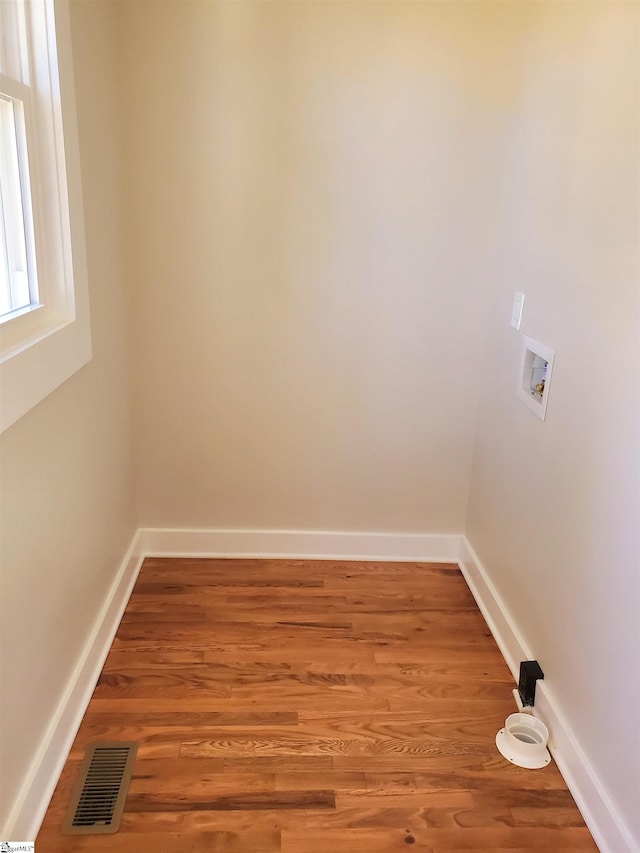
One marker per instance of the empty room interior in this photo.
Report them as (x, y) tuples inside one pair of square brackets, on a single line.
[(350, 429)]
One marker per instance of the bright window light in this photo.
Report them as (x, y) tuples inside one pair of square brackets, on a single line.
[(18, 279)]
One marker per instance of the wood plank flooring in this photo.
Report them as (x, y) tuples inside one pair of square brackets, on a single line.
[(312, 707)]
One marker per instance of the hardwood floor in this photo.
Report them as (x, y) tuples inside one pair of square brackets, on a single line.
[(312, 707)]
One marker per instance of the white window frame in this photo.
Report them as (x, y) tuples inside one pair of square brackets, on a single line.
[(42, 348), (17, 232)]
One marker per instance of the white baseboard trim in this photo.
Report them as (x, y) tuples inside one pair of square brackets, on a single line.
[(505, 633), (35, 793), (600, 814), (37, 789), (300, 544)]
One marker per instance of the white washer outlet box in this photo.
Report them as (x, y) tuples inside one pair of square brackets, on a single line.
[(534, 378)]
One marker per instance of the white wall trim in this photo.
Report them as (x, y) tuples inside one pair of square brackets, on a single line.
[(41, 349), (300, 544), (598, 810), (602, 817), (37, 789)]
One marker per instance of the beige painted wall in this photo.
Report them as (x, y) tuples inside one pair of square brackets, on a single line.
[(329, 206), (67, 509), (309, 186), (555, 507)]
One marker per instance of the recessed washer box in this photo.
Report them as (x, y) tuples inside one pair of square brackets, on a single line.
[(536, 365)]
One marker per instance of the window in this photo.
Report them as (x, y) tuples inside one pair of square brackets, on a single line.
[(18, 279), (44, 319)]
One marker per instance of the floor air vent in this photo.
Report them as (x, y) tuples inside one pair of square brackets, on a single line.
[(101, 790)]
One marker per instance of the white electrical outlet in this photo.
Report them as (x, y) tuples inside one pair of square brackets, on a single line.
[(516, 313)]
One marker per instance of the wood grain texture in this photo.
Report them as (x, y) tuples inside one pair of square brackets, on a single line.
[(297, 706)]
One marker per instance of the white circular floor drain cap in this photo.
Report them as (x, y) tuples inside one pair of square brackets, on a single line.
[(523, 741)]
